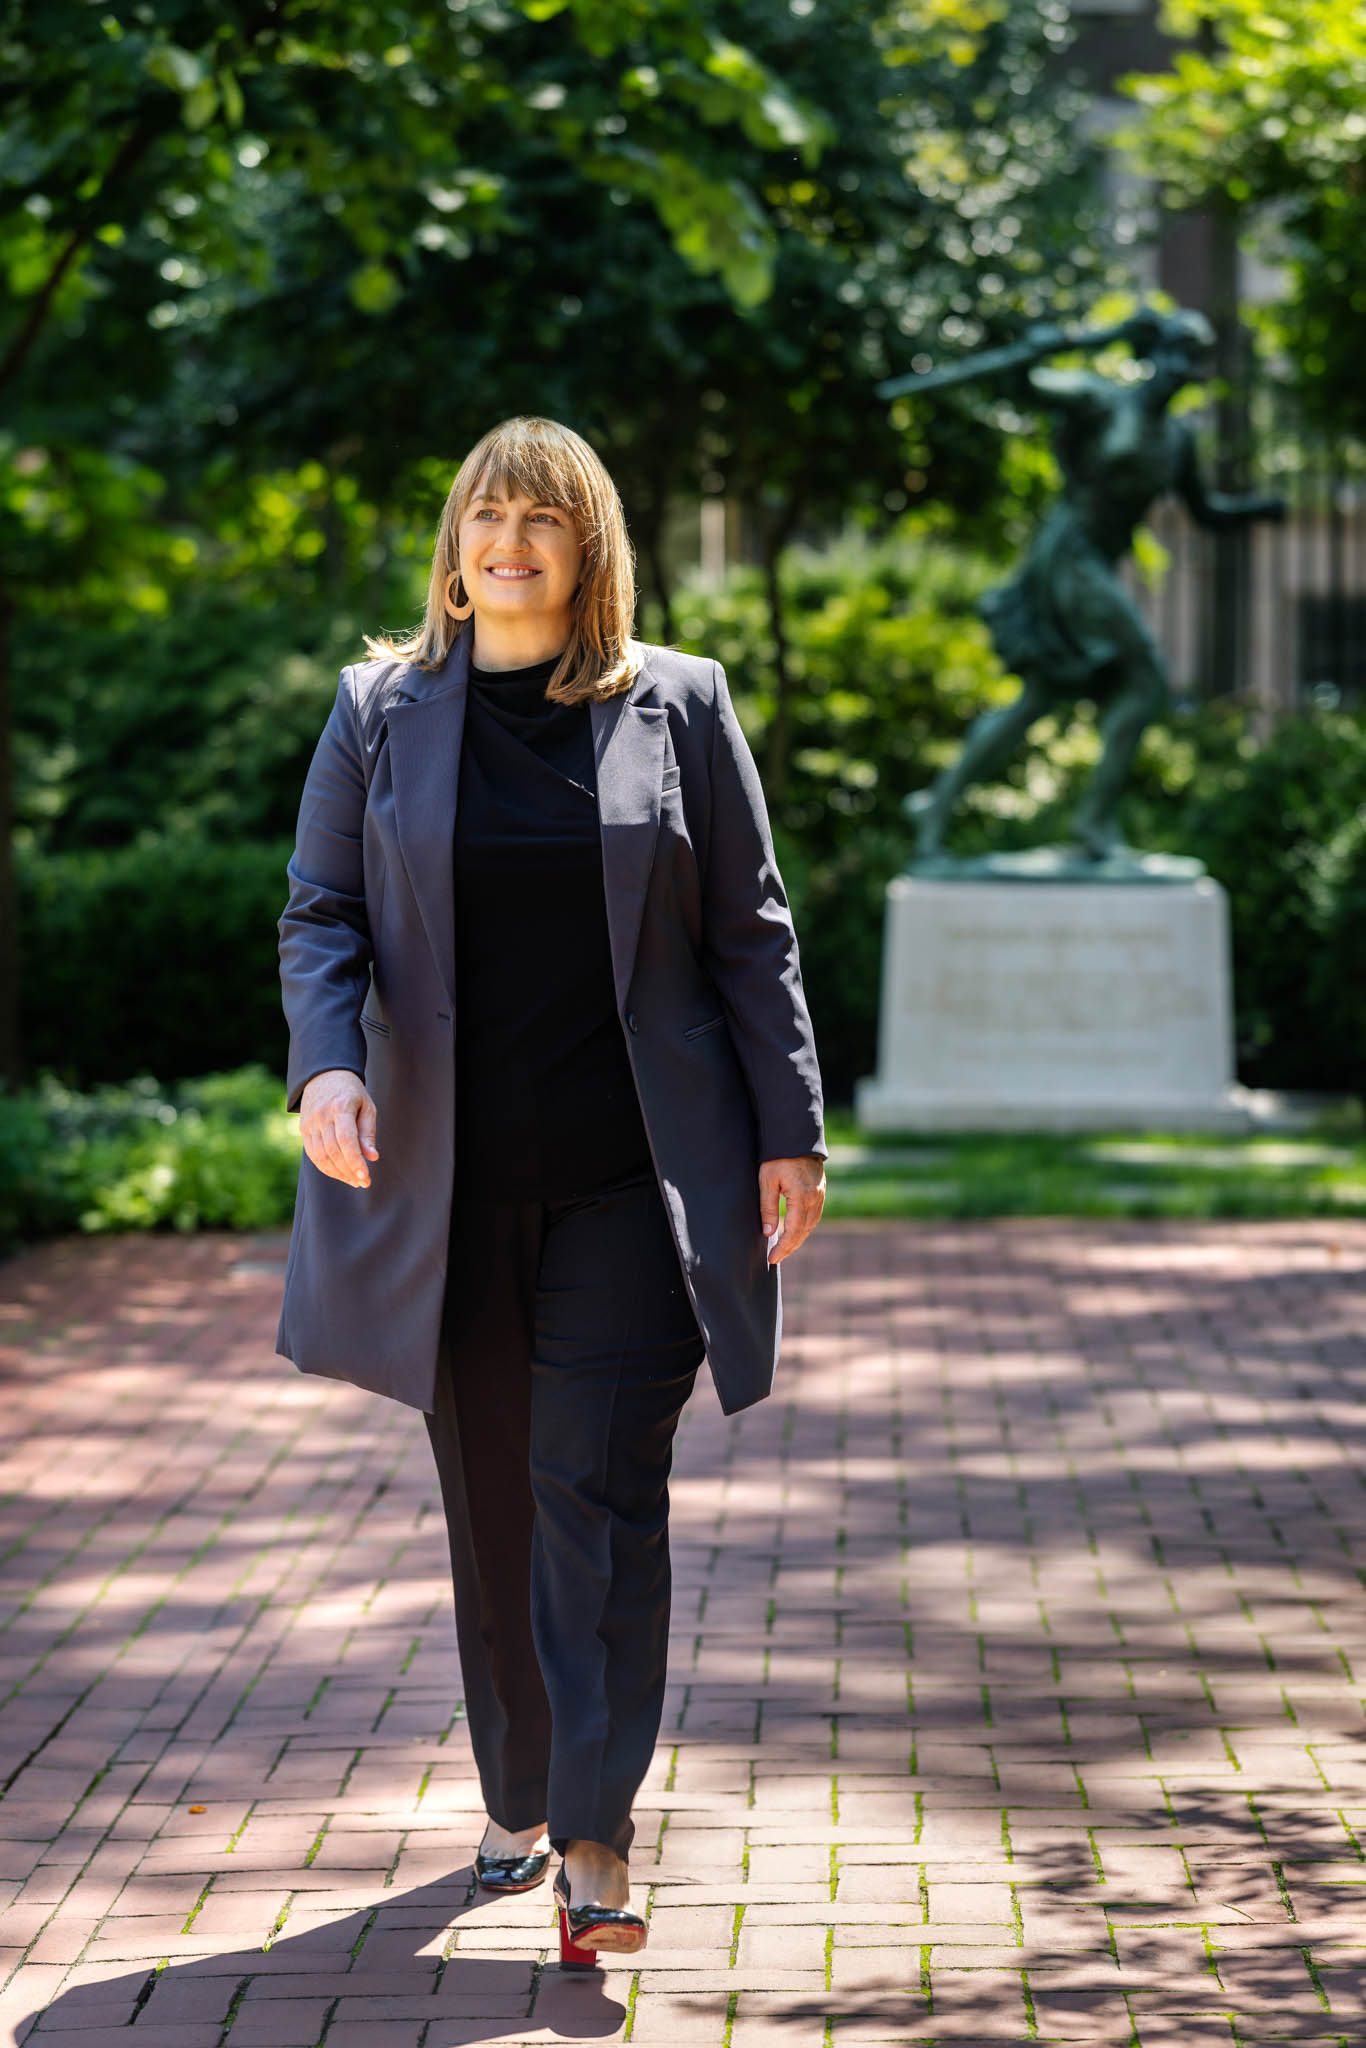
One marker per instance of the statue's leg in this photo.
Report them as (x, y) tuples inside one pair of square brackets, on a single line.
[(1141, 698), (988, 746)]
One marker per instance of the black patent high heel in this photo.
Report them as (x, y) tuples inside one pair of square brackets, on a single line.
[(510, 1873), (586, 1929)]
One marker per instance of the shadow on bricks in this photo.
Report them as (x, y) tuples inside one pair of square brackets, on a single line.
[(1016, 1684), (366, 1979)]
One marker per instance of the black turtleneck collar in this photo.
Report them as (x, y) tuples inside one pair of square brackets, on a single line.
[(535, 672)]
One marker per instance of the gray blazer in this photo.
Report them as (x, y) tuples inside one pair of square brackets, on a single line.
[(708, 989)]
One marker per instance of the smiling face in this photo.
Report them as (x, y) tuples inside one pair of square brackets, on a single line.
[(534, 526), (520, 561)]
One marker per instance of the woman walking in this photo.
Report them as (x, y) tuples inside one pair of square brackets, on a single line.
[(554, 1071)]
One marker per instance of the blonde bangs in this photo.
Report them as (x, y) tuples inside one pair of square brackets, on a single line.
[(552, 465), (518, 466)]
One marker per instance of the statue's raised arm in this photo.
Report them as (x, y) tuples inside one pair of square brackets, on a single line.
[(1044, 338)]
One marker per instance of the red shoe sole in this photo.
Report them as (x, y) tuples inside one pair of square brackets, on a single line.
[(608, 1935), (574, 1956)]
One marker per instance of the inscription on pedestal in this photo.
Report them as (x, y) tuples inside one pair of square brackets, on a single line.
[(1069, 1003)]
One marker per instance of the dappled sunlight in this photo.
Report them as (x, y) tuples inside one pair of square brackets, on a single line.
[(1014, 1688)]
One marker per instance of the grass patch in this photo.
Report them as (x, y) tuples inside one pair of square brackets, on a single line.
[(1154, 1174), (220, 1153)]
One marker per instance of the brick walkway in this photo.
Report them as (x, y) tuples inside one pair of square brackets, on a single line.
[(1017, 1687)]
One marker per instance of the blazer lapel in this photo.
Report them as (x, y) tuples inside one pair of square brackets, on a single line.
[(628, 747), (426, 723)]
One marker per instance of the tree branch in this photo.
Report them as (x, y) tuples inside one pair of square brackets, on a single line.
[(133, 148)]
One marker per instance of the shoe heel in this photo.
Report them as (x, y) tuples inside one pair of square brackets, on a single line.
[(572, 1957)]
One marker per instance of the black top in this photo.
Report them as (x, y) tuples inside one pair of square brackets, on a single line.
[(545, 1103)]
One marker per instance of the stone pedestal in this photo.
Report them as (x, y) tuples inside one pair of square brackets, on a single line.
[(1054, 1006)]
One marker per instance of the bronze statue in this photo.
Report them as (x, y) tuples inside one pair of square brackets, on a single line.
[(1064, 623)]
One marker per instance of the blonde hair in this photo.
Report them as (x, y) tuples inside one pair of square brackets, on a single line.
[(550, 464)]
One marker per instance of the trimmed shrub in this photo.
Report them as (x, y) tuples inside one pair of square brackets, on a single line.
[(1282, 826), (888, 662), (159, 957), (216, 1153)]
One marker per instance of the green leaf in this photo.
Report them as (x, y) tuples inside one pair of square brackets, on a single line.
[(200, 105), (170, 65), (717, 226), (373, 288), (233, 106)]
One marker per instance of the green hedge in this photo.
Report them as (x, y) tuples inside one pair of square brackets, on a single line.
[(217, 1153), (1283, 827), (160, 957), (888, 662)]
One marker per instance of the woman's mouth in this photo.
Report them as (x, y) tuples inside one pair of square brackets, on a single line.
[(508, 572)]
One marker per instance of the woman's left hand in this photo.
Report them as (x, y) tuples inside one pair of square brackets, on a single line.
[(802, 1182)]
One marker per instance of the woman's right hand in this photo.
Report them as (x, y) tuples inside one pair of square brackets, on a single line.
[(337, 1120)]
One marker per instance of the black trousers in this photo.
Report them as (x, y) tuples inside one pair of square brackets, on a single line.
[(573, 1350)]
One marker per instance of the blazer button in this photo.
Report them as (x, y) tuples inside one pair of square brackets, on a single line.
[(631, 1021)]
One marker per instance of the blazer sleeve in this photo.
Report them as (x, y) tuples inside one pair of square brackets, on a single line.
[(750, 949), (324, 933)]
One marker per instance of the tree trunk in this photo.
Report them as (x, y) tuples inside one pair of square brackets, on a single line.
[(650, 540), (9, 895), (779, 743), (1232, 548)]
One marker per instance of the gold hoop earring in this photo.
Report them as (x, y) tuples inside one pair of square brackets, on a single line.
[(462, 605)]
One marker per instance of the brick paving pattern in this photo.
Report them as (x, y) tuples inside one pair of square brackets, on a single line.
[(1017, 1693)]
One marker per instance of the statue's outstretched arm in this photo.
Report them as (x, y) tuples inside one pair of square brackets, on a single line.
[(1218, 510), (1010, 365), (1079, 392)]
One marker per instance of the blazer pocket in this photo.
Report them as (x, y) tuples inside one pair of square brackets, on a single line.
[(672, 778), (373, 1024), (700, 1030)]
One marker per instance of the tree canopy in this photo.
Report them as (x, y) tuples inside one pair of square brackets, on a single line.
[(272, 268), (1268, 114)]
